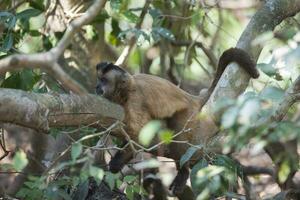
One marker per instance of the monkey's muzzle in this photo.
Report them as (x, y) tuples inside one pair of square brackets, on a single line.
[(99, 90)]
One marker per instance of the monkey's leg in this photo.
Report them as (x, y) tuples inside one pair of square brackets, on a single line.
[(178, 185), (153, 185), (120, 159)]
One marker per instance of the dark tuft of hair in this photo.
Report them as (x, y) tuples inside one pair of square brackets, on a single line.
[(105, 67)]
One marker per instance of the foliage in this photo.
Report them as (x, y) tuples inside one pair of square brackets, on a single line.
[(166, 46)]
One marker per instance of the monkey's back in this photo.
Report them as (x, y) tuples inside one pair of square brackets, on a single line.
[(163, 98)]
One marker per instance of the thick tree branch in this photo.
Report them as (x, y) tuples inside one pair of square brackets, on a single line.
[(48, 60), (41, 111), (234, 80)]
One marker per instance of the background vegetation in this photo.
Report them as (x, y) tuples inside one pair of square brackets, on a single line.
[(49, 48)]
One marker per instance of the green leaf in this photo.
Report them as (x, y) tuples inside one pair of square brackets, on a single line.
[(64, 194), (163, 32), (148, 132), (281, 130), (129, 192), (111, 179), (130, 16), (223, 103), (8, 18), (25, 15), (188, 154), (155, 13), (24, 80), (200, 165), (263, 38), (229, 117), (7, 43), (228, 163), (284, 171), (286, 33), (37, 4), (249, 112), (97, 173), (147, 164), (28, 13), (20, 161), (272, 93), (129, 178), (166, 136), (114, 34), (76, 150), (268, 69), (116, 5)]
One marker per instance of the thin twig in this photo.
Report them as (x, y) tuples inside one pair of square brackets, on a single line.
[(126, 51)]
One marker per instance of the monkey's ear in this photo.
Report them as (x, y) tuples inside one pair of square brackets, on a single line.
[(102, 66), (105, 67)]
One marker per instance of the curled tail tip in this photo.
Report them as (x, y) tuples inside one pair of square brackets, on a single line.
[(255, 73), (243, 59)]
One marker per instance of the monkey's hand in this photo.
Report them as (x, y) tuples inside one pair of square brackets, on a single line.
[(119, 160), (178, 185)]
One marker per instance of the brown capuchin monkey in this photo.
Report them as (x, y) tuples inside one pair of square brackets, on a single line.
[(146, 97)]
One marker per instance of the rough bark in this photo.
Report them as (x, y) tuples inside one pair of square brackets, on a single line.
[(41, 111)]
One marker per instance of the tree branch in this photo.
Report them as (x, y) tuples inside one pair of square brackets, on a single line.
[(48, 60), (235, 80), (41, 111)]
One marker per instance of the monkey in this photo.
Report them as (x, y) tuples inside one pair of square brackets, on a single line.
[(147, 97)]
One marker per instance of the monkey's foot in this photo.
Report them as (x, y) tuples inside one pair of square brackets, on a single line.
[(115, 166), (177, 186)]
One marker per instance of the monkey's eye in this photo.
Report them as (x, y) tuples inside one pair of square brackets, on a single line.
[(103, 81)]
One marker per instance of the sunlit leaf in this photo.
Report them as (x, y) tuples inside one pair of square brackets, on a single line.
[(130, 16), (129, 192), (200, 165), (163, 32), (20, 160), (129, 178), (286, 33), (148, 132), (76, 150), (223, 103), (268, 69), (147, 164), (166, 136), (229, 117), (96, 172), (111, 179), (262, 39), (249, 112), (272, 93), (116, 5), (284, 171)]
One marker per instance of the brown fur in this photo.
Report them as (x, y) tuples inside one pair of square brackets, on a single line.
[(146, 97)]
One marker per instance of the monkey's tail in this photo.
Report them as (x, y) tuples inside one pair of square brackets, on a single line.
[(241, 57)]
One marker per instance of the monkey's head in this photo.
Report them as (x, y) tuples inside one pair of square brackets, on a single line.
[(113, 82)]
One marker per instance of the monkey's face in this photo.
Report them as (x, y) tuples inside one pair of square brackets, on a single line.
[(106, 83), (111, 79)]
